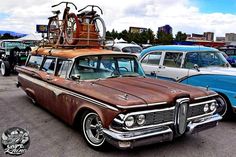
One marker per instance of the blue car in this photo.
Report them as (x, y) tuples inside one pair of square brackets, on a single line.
[(194, 65)]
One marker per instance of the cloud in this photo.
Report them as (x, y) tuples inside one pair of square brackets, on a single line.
[(182, 15)]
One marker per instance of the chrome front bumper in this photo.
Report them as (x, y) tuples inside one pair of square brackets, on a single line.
[(130, 139)]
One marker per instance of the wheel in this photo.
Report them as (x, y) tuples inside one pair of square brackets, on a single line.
[(72, 29), (99, 27), (53, 30), (226, 112), (5, 68), (92, 130)]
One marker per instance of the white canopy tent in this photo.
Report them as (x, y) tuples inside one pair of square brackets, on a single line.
[(120, 40), (31, 37)]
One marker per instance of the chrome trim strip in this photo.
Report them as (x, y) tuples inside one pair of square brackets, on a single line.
[(134, 106), (57, 90), (149, 126), (204, 102), (142, 105), (202, 115), (203, 97), (158, 103), (149, 111)]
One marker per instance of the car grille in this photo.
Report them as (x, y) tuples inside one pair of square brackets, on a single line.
[(159, 117), (196, 110)]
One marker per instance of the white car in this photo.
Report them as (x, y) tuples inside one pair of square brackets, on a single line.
[(125, 47), (193, 65)]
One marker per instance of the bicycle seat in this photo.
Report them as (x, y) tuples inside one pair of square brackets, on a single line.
[(56, 12), (87, 13)]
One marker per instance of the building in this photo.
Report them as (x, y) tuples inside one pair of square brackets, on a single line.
[(220, 38), (137, 29), (196, 37), (209, 36), (230, 37), (166, 29)]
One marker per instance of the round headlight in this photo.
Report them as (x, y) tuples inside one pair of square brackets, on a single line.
[(206, 108), (129, 121), (213, 106), (140, 119)]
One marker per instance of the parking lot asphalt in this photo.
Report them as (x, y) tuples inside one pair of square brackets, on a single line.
[(50, 137)]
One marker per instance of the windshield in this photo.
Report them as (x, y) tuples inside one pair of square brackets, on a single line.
[(13, 44), (205, 59), (106, 66), (132, 49)]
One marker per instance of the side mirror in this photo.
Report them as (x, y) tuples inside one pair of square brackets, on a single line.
[(196, 67), (75, 77)]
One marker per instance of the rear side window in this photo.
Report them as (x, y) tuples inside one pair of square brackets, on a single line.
[(49, 65), (35, 62), (63, 68), (173, 59), (152, 58)]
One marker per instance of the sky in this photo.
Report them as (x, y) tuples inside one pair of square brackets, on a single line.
[(189, 16)]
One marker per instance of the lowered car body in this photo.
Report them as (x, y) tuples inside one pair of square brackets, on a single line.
[(108, 96)]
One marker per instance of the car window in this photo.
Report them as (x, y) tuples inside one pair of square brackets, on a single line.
[(116, 49), (230, 52), (126, 49), (204, 59), (63, 67), (152, 58), (35, 62), (173, 59), (132, 49), (49, 65), (95, 67)]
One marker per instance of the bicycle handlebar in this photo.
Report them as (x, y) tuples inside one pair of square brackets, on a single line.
[(93, 6), (65, 3)]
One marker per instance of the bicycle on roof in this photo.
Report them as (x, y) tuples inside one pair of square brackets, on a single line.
[(92, 18), (61, 32)]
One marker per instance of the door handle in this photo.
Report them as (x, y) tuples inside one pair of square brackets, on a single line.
[(153, 73)]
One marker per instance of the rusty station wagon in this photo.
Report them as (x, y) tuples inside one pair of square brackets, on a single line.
[(108, 96)]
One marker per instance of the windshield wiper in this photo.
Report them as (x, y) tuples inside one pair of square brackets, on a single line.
[(130, 75)]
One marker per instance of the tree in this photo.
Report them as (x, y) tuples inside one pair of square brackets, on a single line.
[(8, 36), (164, 38), (180, 36)]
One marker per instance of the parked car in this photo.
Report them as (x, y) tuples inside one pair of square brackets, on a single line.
[(229, 50), (107, 95), (193, 65), (230, 59), (125, 47), (12, 53)]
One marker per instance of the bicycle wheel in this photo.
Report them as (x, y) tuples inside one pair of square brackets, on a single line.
[(71, 29), (99, 27), (53, 30)]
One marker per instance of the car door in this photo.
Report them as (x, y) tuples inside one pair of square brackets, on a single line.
[(171, 66), (151, 63), (47, 95)]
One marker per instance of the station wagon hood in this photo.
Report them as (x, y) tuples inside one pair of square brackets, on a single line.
[(134, 91)]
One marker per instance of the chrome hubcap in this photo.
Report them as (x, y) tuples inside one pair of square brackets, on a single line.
[(92, 129)]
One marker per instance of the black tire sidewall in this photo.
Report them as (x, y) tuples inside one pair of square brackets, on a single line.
[(7, 68)]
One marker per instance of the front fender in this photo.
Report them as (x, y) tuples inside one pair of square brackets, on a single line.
[(220, 83)]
